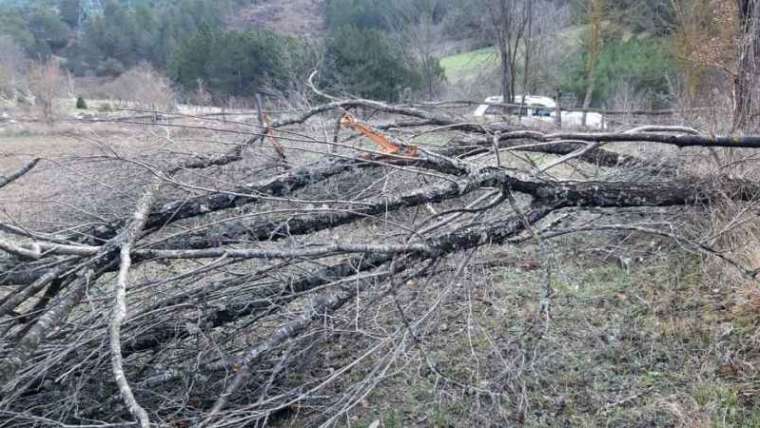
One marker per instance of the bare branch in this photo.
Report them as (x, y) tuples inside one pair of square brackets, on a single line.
[(4, 181), (129, 236)]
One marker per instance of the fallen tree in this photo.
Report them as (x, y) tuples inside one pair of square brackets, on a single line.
[(234, 280)]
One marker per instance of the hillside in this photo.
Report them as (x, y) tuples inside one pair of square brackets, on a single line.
[(296, 17)]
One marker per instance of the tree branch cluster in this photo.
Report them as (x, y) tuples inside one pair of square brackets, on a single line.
[(204, 300)]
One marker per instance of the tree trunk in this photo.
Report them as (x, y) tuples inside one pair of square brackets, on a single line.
[(746, 103), (526, 70), (595, 47), (506, 75)]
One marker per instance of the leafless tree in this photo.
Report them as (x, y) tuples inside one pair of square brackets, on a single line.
[(145, 88), (747, 87), (596, 16), (425, 34), (46, 82), (508, 23), (528, 49), (415, 22), (544, 49)]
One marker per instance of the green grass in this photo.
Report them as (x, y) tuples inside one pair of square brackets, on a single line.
[(470, 64), (467, 64)]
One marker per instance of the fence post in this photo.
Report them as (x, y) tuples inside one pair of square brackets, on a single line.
[(558, 118)]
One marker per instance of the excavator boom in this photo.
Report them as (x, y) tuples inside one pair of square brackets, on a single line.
[(387, 146)]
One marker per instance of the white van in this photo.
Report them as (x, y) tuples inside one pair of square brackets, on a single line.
[(538, 109)]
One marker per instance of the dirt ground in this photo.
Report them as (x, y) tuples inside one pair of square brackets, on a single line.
[(82, 173)]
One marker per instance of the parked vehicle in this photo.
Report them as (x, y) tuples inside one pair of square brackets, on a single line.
[(537, 109)]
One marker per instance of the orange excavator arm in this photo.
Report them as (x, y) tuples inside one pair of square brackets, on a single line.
[(383, 141), (273, 138)]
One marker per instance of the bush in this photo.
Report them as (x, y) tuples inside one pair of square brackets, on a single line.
[(81, 104), (145, 87)]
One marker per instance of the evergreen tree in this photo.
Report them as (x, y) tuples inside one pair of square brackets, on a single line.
[(13, 23), (645, 66), (231, 63), (367, 63)]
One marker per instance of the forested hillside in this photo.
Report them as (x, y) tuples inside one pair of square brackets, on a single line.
[(632, 54), (378, 49)]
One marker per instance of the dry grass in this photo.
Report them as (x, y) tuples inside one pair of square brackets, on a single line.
[(653, 346), (82, 174)]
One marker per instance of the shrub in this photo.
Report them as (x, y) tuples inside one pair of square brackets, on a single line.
[(81, 104), (145, 87)]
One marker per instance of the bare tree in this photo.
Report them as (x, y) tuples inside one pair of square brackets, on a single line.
[(416, 23), (425, 35), (544, 56), (145, 88), (46, 83), (527, 51), (596, 15), (508, 23), (747, 86)]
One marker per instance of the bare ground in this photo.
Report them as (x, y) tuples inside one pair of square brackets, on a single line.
[(298, 17)]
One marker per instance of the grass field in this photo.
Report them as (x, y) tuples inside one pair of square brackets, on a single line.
[(461, 66), (470, 64)]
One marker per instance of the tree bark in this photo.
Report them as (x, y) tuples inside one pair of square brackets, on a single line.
[(746, 86), (595, 47)]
